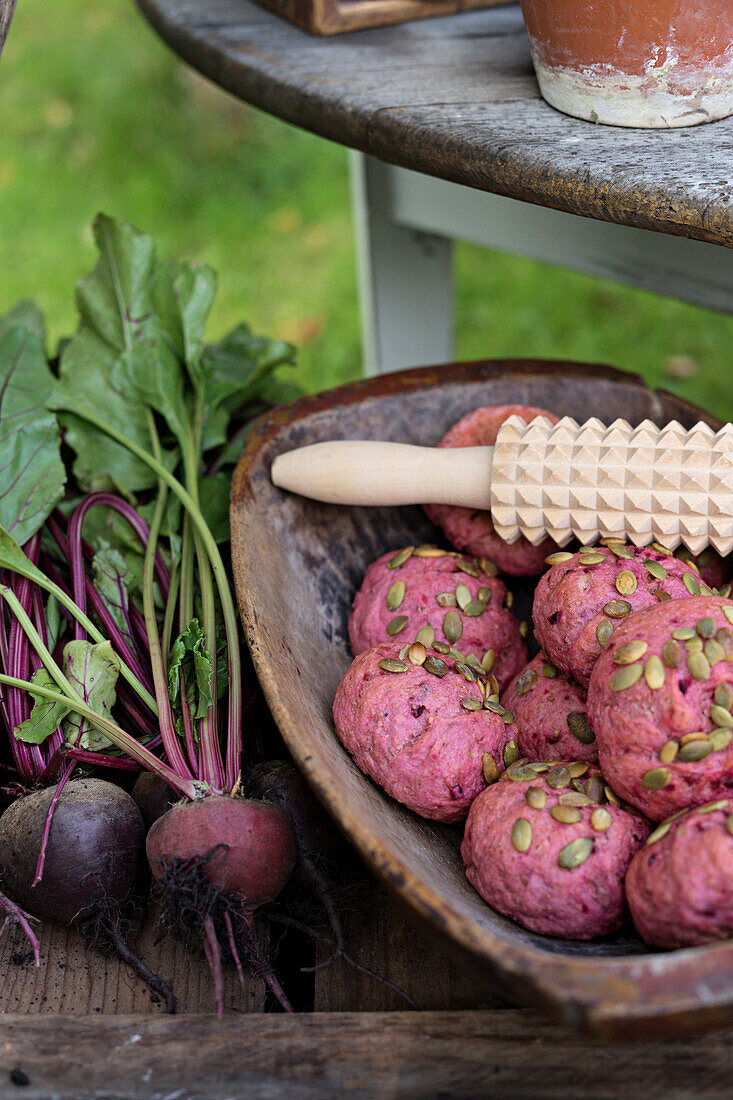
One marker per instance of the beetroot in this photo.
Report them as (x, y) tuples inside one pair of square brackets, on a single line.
[(248, 849), (152, 797)]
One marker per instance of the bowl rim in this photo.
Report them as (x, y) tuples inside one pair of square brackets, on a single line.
[(617, 997)]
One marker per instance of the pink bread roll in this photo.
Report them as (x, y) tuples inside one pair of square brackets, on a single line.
[(472, 531), (449, 594), (549, 713), (661, 700), (583, 598), (542, 849), (420, 730), (680, 885)]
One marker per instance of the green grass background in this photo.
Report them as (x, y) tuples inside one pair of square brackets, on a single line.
[(99, 115)]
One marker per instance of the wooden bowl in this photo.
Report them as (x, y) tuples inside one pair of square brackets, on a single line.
[(297, 565)]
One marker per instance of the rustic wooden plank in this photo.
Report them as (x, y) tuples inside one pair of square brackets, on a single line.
[(426, 1056), (381, 936), (456, 97), (76, 979)]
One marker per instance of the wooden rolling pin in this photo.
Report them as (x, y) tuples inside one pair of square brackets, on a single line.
[(670, 484)]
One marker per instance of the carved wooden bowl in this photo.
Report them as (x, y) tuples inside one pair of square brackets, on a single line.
[(297, 565)]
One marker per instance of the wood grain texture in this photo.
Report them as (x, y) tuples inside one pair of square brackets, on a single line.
[(297, 564), (414, 1056), (338, 16), (456, 97)]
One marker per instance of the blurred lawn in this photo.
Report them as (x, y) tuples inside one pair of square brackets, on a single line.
[(99, 115)]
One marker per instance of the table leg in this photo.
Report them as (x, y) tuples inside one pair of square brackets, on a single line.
[(405, 279)]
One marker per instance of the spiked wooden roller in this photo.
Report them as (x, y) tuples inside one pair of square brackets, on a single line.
[(567, 480)]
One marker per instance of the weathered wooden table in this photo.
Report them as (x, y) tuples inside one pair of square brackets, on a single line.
[(453, 97)]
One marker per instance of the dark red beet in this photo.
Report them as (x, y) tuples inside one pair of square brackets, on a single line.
[(93, 853), (152, 797), (245, 848)]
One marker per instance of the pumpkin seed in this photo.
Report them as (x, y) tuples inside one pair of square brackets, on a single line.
[(394, 626), (672, 654), (442, 648), (728, 612), (654, 569), (710, 807), (575, 853), (668, 751), (714, 652), (400, 557), (580, 729), (626, 582), (521, 774), (720, 739), (625, 677), (536, 798), (471, 703), (453, 626), (468, 567), (654, 673), (521, 834), (526, 681), (446, 599), (435, 666), (593, 788), (489, 768), (698, 666), (487, 566), (721, 716), (706, 627), (577, 768), (492, 684), (723, 695), (463, 596), (404, 651), (524, 630), (494, 707), (604, 630), (484, 595), (509, 600), (601, 819), (660, 832), (697, 736), (661, 549), (488, 659), (557, 557), (729, 823), (724, 638), (465, 671), (622, 551), (691, 584), (559, 777), (549, 670), (630, 652), (694, 751), (655, 779), (567, 815), (391, 664), (396, 595), (429, 551), (425, 636), (662, 597), (617, 609), (683, 634), (508, 717), (694, 645), (474, 662), (474, 609), (591, 559), (725, 590), (611, 796), (417, 653), (511, 753), (574, 798)]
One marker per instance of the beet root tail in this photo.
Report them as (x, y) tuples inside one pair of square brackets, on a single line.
[(15, 915)]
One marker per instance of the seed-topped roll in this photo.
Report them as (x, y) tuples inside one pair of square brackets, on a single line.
[(549, 710), (546, 847), (584, 597), (471, 530), (679, 884), (713, 569), (424, 726), (661, 704), (439, 596)]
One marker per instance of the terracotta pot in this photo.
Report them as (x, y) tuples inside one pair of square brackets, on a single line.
[(654, 63)]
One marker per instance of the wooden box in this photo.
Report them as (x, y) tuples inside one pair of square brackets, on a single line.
[(338, 16)]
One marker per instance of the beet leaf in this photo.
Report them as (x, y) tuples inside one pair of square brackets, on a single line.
[(45, 717), (92, 670)]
